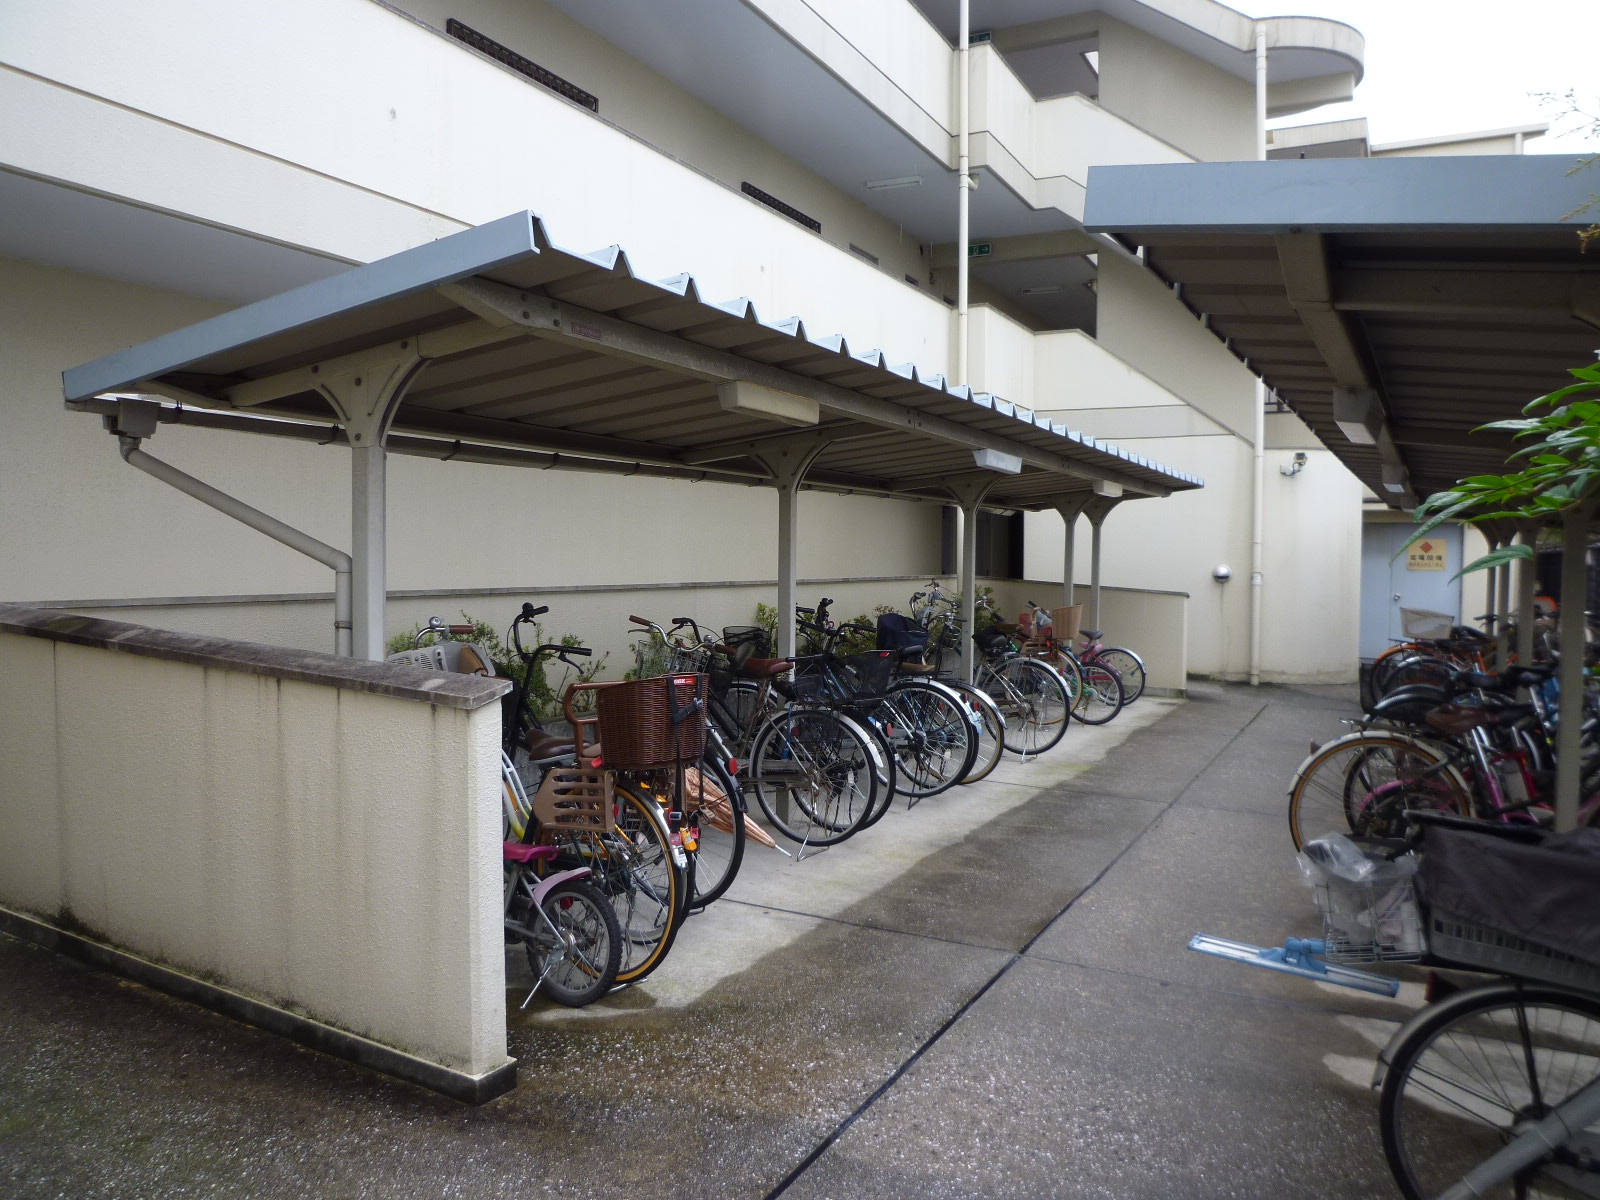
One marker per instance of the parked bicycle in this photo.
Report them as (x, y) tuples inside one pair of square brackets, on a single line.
[(1033, 698), (1492, 1089)]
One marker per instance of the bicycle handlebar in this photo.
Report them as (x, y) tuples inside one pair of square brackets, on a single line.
[(641, 621)]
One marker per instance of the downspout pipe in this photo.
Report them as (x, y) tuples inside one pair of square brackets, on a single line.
[(1259, 430), (240, 511), (964, 191)]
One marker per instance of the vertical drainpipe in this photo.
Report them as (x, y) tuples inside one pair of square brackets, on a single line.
[(1260, 424), (964, 194)]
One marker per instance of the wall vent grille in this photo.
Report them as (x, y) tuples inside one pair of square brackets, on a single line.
[(788, 210), (522, 66)]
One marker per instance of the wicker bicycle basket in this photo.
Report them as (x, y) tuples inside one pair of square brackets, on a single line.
[(649, 724), (1068, 622), (573, 800)]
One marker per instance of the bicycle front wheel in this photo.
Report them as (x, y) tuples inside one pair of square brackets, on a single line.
[(991, 730), (1363, 783), (1489, 1063), (1102, 695), (932, 735), (812, 772), (1033, 700), (1129, 668)]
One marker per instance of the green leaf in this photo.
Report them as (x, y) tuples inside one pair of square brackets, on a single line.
[(1495, 558)]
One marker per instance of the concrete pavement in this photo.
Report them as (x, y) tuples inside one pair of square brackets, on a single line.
[(988, 995)]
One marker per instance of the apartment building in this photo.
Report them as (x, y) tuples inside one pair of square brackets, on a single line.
[(169, 161)]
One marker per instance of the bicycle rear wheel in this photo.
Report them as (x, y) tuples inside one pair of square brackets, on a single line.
[(636, 868), (1489, 1063), (812, 773), (713, 808), (1129, 668), (1363, 783), (575, 958)]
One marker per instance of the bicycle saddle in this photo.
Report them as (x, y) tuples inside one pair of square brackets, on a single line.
[(543, 746), (1092, 634), (1456, 720), (765, 668)]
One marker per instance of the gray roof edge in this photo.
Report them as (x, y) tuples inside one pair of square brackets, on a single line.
[(1489, 193), (457, 256)]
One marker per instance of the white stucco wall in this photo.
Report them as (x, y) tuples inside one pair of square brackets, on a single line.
[(1196, 107), (325, 850)]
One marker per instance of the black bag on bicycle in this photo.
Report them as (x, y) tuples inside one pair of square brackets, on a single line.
[(900, 633)]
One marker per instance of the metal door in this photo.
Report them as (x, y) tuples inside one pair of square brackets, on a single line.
[(1416, 579)]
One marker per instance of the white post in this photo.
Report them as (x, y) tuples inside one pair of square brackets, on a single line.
[(1259, 428), (1574, 603), (1096, 519), (968, 586), (1527, 581), (1502, 609), (369, 574), (964, 193), (1070, 555), (788, 562)]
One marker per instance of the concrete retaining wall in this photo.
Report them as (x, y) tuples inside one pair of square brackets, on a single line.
[(314, 833)]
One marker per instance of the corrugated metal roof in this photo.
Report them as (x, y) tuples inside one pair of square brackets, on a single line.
[(603, 382), (1456, 288)]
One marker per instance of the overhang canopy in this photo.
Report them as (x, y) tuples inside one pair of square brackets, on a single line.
[(568, 359), (1394, 304)]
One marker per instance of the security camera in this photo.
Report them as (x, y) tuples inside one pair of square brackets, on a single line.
[(1222, 572), (1299, 465)]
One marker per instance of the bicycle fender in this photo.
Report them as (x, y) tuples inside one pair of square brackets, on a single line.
[(1423, 744), (547, 884), (1462, 999)]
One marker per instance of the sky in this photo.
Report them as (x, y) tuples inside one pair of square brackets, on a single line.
[(1437, 67)]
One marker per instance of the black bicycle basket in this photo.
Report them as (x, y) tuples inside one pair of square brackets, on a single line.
[(991, 641), (757, 638), (870, 673)]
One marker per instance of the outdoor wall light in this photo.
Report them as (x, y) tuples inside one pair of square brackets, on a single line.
[(1296, 467), (1222, 572)]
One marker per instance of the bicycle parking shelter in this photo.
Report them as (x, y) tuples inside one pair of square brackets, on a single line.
[(494, 345), (1394, 305)]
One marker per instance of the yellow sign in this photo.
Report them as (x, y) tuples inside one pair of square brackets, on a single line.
[(1426, 555)]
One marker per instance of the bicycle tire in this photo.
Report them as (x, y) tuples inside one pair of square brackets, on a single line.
[(1102, 696), (991, 735), (1458, 1087), (1129, 668), (884, 766), (719, 835), (583, 967), (1033, 700), (1361, 783), (934, 744), (639, 871), (816, 764)]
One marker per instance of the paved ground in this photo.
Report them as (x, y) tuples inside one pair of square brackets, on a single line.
[(988, 996)]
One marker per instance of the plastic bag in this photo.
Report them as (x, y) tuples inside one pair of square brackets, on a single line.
[(1337, 857), (1368, 904)]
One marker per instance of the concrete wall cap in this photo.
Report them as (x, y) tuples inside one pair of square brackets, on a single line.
[(252, 658)]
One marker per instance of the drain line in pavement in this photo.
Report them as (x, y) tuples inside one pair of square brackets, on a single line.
[(898, 1073)]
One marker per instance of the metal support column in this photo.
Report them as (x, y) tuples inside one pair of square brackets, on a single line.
[(1502, 610), (968, 493), (1574, 603), (365, 391), (1527, 582), (1070, 508), (788, 459), (1097, 511)]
